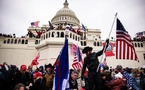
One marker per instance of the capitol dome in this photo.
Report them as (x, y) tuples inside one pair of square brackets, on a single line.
[(65, 16)]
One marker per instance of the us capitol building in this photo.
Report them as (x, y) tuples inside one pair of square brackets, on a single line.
[(17, 51)]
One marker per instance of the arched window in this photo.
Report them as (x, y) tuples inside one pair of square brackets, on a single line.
[(11, 41), (62, 34), (138, 44), (81, 43), (15, 41), (135, 45), (22, 41), (36, 41), (26, 42), (52, 35), (46, 35), (84, 43), (76, 38), (73, 36), (5, 41), (8, 41), (70, 35), (141, 45), (95, 44)]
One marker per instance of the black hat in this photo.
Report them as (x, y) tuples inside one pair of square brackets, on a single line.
[(86, 49), (49, 66)]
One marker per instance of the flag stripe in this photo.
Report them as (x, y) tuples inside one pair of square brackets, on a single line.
[(124, 46)]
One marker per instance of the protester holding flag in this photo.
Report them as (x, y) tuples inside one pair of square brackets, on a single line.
[(91, 62)]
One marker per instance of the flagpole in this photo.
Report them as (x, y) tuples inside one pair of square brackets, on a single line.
[(106, 43)]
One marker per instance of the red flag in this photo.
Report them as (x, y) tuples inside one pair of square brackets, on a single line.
[(124, 46), (35, 61), (109, 50)]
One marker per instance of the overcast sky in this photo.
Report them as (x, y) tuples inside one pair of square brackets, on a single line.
[(16, 15)]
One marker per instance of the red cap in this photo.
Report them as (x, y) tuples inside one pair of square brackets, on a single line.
[(23, 67), (37, 74)]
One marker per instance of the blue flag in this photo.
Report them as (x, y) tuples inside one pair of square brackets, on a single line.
[(83, 27), (61, 79), (50, 26)]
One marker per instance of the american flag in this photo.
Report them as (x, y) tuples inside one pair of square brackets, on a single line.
[(124, 46), (77, 62), (34, 24)]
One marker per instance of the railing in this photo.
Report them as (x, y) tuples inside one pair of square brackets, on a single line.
[(59, 34)]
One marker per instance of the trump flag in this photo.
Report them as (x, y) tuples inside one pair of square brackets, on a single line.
[(61, 79), (109, 49)]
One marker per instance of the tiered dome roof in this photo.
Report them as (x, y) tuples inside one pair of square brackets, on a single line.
[(65, 16)]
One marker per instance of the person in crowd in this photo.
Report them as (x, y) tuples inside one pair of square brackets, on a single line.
[(49, 75), (136, 79), (39, 82), (19, 86), (2, 77), (31, 72), (41, 69), (22, 76), (73, 84), (142, 74), (91, 62), (107, 73), (30, 69), (39, 33), (79, 77), (106, 77), (126, 75), (117, 83), (8, 74), (129, 70)]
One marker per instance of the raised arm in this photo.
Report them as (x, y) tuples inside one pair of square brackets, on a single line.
[(99, 53)]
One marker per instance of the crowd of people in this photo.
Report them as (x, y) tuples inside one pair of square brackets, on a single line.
[(26, 78)]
